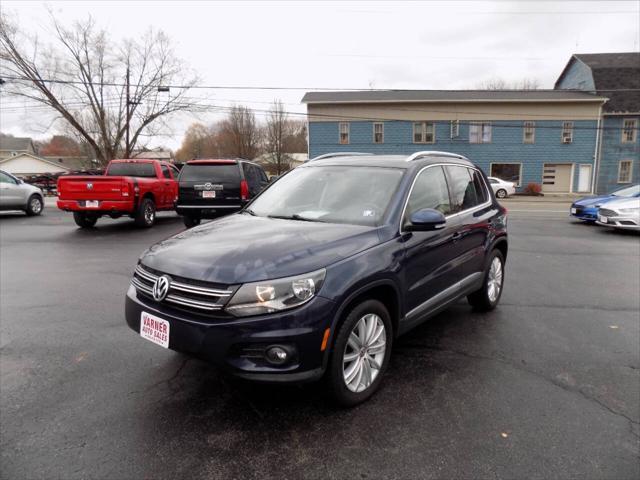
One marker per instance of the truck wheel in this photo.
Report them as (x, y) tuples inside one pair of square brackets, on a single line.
[(83, 220), (146, 214), (190, 221), (35, 205)]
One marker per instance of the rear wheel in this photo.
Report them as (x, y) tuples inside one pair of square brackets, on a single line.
[(35, 205), (487, 297), (190, 221), (502, 193), (83, 220), (360, 353), (146, 214)]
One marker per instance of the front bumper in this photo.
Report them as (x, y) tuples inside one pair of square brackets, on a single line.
[(622, 221), (235, 344), (584, 213)]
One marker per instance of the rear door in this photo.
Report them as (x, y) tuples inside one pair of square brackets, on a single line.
[(210, 184), (168, 186)]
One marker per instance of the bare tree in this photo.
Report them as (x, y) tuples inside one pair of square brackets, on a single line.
[(277, 131), (238, 135), (199, 142), (501, 84), (112, 94)]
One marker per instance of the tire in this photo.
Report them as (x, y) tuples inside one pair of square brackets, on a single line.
[(190, 221), (146, 213), (35, 205), (502, 193), (486, 298), (379, 352), (83, 220)]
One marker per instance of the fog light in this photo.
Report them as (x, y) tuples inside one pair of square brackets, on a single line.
[(277, 355)]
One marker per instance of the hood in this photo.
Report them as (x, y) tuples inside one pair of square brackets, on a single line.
[(623, 202), (592, 201), (242, 248)]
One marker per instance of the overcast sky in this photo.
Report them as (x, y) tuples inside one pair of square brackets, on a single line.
[(429, 45)]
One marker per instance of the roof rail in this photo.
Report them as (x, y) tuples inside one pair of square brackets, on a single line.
[(433, 153), (338, 154)]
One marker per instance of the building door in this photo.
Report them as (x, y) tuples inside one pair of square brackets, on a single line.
[(556, 178), (584, 178)]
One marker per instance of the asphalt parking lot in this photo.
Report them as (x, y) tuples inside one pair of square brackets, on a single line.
[(546, 386)]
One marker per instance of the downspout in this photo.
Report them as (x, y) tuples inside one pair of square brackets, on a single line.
[(597, 153)]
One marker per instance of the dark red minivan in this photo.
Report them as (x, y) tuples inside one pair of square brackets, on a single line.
[(211, 188)]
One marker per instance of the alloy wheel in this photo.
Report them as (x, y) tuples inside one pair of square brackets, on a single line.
[(364, 352), (35, 205), (494, 280)]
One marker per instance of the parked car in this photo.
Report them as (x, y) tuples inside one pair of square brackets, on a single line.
[(137, 188), (18, 195), (502, 188), (211, 188), (325, 268), (586, 208), (622, 213)]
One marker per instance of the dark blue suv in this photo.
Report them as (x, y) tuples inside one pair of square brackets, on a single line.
[(325, 268)]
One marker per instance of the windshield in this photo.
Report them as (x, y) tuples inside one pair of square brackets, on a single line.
[(353, 195), (131, 170), (632, 191), (225, 172)]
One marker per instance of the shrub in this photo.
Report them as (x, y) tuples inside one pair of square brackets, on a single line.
[(533, 189)]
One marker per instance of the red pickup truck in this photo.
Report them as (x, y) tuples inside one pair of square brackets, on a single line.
[(137, 188)]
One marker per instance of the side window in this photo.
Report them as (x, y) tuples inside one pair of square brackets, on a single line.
[(4, 178), (429, 191), (165, 171), (463, 191), (175, 171), (263, 177), (481, 189), (250, 175)]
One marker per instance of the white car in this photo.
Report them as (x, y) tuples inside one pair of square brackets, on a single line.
[(501, 188), (17, 195), (623, 213)]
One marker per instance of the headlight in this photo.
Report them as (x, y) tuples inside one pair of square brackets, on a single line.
[(629, 210), (275, 295)]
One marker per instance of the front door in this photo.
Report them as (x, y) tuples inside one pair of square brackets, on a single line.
[(556, 178), (584, 178), (430, 257), (10, 192)]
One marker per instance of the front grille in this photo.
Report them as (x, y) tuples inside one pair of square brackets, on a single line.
[(189, 296), (607, 213)]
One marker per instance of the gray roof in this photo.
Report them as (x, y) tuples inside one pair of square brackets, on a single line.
[(401, 96), (16, 144), (615, 75)]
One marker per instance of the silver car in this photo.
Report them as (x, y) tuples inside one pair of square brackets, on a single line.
[(621, 213), (17, 195)]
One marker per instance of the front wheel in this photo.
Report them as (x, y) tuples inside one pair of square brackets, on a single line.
[(360, 353), (83, 220), (146, 214), (502, 193), (190, 221), (487, 297), (35, 205)]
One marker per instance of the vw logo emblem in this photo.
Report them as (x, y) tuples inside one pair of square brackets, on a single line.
[(161, 288), (208, 186), (89, 186)]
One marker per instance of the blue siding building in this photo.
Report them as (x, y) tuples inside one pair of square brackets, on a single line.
[(545, 137), (617, 77)]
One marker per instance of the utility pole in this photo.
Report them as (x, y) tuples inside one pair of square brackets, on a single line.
[(127, 154)]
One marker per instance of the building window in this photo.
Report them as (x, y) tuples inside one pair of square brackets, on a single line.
[(344, 133), (529, 132), (378, 132), (479, 132), (424, 132), (629, 130), (567, 132), (624, 171), (455, 128), (510, 172)]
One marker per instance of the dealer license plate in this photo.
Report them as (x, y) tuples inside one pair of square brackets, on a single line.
[(573, 210), (154, 329), (209, 194), (92, 204)]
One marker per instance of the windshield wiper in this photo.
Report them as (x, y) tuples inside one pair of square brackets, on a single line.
[(295, 216)]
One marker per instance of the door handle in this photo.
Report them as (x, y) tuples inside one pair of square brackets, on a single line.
[(456, 236)]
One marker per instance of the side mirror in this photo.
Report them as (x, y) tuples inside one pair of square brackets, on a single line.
[(20, 181), (426, 220)]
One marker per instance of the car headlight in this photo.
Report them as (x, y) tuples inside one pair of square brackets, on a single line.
[(275, 295), (629, 210)]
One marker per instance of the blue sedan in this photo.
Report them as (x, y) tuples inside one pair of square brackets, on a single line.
[(587, 208)]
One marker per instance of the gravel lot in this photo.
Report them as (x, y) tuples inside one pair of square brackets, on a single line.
[(546, 386)]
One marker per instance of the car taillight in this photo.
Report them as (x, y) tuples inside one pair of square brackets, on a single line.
[(244, 190), (125, 190)]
